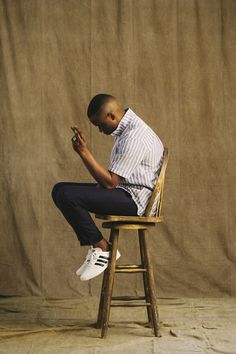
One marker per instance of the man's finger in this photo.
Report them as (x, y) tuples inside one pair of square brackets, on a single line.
[(72, 129), (75, 130), (80, 138), (81, 135)]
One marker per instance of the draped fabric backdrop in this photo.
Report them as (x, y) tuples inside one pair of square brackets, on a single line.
[(173, 63)]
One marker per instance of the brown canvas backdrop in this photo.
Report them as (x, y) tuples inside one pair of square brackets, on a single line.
[(173, 63)]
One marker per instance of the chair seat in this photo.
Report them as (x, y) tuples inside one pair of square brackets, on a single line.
[(131, 219)]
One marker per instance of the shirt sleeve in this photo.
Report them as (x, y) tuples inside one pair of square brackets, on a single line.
[(127, 157)]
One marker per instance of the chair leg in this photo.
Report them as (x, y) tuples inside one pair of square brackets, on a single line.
[(102, 299), (145, 280), (109, 280), (151, 284)]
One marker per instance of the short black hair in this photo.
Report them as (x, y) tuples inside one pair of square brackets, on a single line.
[(97, 102)]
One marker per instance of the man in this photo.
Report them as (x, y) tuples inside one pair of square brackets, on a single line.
[(122, 189)]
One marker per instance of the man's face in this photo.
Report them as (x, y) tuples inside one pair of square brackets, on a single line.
[(105, 122)]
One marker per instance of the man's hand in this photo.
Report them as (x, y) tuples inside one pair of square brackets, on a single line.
[(78, 141)]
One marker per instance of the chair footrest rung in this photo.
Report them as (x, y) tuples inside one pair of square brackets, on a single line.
[(130, 268), (130, 304), (127, 298), (141, 270)]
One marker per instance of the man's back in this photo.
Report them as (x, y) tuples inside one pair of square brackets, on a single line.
[(136, 157)]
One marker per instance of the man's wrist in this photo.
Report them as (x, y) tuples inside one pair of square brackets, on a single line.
[(83, 152)]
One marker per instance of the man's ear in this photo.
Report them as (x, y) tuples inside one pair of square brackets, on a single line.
[(111, 114)]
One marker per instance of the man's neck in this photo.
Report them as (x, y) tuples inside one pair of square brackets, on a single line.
[(120, 114)]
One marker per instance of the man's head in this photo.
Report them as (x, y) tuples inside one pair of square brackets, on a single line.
[(105, 113)]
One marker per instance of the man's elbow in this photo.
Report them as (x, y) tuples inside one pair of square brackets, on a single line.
[(113, 181), (111, 185)]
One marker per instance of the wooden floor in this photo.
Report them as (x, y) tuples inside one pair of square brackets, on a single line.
[(65, 326)]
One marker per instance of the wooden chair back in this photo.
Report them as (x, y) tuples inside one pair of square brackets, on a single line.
[(157, 195)]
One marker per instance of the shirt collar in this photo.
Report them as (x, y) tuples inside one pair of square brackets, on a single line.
[(124, 122)]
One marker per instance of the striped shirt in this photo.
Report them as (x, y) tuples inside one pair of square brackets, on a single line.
[(136, 157)]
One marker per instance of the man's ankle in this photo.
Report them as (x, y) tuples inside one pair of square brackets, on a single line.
[(103, 244)]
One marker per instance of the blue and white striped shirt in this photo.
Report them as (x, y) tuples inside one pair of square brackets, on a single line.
[(136, 157)]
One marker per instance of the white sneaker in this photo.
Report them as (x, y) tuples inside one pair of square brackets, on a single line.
[(83, 266), (97, 263)]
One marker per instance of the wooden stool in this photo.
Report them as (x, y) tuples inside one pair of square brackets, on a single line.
[(141, 224)]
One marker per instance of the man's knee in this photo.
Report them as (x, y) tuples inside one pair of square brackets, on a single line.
[(57, 192)]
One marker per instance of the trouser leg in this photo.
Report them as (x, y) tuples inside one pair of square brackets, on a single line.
[(66, 196), (76, 200)]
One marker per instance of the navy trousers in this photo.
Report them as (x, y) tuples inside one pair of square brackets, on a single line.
[(77, 200)]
